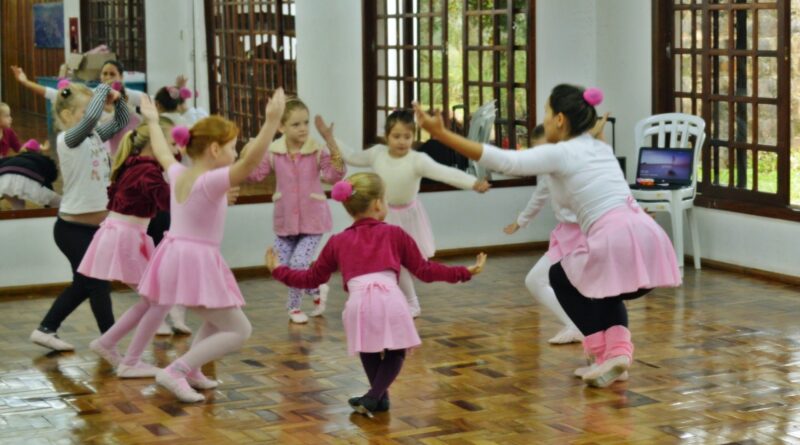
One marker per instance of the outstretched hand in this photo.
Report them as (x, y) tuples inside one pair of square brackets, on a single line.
[(275, 106), (181, 81), (325, 131), (481, 186), (433, 124), (511, 228), (271, 259), (598, 131), (19, 74), (233, 195), (476, 268), (147, 108)]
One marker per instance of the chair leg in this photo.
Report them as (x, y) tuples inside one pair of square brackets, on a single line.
[(677, 232), (692, 219)]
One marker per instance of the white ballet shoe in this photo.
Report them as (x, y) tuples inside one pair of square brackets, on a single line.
[(200, 381), (608, 372), (179, 387), (566, 335), (164, 329), (580, 372), (298, 316), (50, 340), (140, 370), (319, 302)]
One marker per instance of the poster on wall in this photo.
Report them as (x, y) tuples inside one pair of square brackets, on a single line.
[(48, 25)]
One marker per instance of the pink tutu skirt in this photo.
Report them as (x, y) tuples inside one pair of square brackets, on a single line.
[(190, 272), (624, 251), (565, 238), (414, 220), (376, 315), (120, 250)]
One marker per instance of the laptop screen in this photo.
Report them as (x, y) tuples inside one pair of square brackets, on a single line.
[(666, 165)]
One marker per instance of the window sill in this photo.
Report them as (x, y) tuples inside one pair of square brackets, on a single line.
[(788, 213), (266, 198)]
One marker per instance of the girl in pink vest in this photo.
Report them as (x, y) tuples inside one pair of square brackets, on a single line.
[(301, 214)]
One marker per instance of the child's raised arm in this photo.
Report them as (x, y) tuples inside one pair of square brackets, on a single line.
[(77, 134), (158, 141), (19, 74), (435, 126), (254, 151)]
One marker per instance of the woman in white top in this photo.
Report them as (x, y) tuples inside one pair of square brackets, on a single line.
[(85, 169), (402, 170), (625, 253)]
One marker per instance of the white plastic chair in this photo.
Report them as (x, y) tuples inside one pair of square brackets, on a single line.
[(480, 130), (680, 128)]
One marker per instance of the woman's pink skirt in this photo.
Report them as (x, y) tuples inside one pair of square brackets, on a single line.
[(414, 220), (565, 238), (624, 251), (376, 315), (120, 251), (190, 272)]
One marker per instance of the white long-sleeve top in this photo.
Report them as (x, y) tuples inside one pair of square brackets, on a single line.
[(583, 168), (557, 200), (402, 176)]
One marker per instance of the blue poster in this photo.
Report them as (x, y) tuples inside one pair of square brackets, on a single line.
[(48, 25)]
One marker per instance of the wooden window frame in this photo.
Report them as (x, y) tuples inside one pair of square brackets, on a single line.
[(124, 33), (712, 196)]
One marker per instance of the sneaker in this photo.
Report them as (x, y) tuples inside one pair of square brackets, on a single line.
[(580, 372), (111, 355), (568, 334), (164, 329), (298, 316), (319, 302), (50, 340), (364, 405), (197, 380), (179, 387), (608, 372), (181, 329), (140, 370)]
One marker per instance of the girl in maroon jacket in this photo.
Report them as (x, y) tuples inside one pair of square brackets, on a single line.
[(121, 248), (369, 254)]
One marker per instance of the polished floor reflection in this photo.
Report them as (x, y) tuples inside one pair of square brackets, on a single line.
[(717, 362)]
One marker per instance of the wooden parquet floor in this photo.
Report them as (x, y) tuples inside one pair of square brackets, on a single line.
[(717, 362)]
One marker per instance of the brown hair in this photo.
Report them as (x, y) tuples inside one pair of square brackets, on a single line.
[(367, 187), (209, 130), (292, 104), (400, 116), (67, 100), (134, 141)]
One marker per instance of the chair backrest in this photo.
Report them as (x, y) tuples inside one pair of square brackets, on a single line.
[(679, 128), (480, 130)]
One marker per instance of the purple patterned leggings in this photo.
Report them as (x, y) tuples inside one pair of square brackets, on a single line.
[(296, 252)]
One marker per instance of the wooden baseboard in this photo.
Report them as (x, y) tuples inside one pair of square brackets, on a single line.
[(749, 271), (505, 248)]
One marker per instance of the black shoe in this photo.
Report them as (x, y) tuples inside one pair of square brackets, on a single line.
[(364, 405), (383, 405)]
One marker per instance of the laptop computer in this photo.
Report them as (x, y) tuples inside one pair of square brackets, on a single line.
[(667, 168)]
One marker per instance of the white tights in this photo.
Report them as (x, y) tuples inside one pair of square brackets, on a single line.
[(538, 283), (223, 331)]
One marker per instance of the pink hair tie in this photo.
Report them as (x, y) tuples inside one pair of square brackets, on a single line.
[(185, 93), (32, 145), (116, 85), (181, 135), (196, 94), (62, 83), (342, 190), (593, 96)]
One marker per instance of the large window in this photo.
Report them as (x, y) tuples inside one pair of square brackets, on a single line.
[(728, 61), (119, 24), (447, 55), (252, 52)]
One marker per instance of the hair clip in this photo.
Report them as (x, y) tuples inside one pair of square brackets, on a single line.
[(342, 190), (593, 96), (32, 145), (65, 92), (181, 135), (116, 85)]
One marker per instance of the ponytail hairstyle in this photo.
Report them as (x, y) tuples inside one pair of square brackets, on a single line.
[(357, 191), (132, 144), (205, 132), (577, 105), (399, 116), (67, 99)]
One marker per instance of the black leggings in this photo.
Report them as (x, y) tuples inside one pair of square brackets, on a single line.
[(590, 315), (158, 225), (382, 369), (73, 240)]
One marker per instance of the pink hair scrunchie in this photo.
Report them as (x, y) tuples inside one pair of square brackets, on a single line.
[(181, 135), (341, 191), (32, 145), (593, 96), (62, 83), (116, 85), (185, 93)]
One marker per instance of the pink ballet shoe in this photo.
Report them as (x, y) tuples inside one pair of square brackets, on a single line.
[(197, 380), (111, 355), (568, 334), (140, 370), (179, 387)]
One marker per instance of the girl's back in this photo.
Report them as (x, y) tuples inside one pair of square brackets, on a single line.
[(198, 207)]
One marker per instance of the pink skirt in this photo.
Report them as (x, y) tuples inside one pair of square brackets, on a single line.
[(414, 220), (376, 315), (120, 251), (565, 238), (190, 272), (624, 251)]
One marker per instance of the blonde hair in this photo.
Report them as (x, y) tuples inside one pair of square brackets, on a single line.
[(4, 106), (367, 187), (134, 141), (292, 104), (67, 100), (209, 130)]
